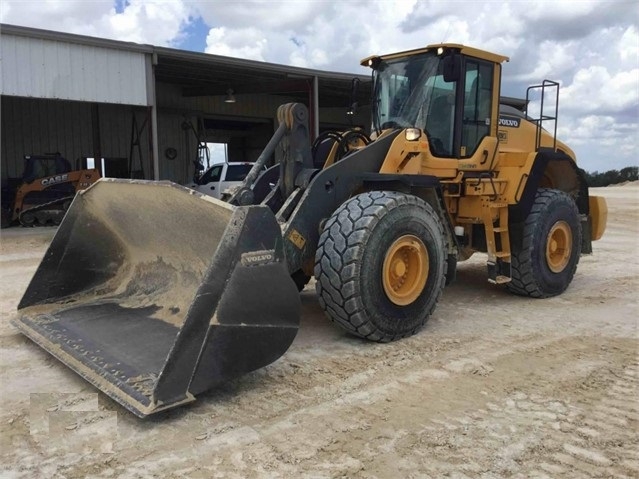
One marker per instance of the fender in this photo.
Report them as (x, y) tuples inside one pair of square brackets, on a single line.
[(563, 174), (546, 161), (326, 191)]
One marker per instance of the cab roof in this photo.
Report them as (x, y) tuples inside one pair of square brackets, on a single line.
[(464, 50)]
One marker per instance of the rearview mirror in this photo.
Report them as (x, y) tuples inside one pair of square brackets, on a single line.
[(451, 66)]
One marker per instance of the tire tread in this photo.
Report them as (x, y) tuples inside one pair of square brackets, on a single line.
[(523, 280), (336, 268)]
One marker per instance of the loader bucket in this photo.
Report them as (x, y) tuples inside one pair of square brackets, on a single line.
[(155, 293)]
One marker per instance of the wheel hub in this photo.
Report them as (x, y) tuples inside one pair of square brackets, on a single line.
[(558, 246), (405, 270)]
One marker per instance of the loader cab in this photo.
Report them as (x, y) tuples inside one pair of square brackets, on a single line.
[(450, 92)]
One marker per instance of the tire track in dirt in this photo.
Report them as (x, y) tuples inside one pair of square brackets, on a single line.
[(259, 421), (262, 414), (611, 423), (556, 434)]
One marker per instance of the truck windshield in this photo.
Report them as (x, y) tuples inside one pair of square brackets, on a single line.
[(410, 89)]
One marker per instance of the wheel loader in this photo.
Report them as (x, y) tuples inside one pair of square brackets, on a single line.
[(155, 293)]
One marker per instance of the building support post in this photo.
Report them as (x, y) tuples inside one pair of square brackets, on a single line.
[(95, 128), (151, 61), (316, 110)]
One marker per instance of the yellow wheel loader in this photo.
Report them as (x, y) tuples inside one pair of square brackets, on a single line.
[(155, 293)]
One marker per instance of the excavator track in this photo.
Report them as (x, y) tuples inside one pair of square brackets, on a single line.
[(46, 213)]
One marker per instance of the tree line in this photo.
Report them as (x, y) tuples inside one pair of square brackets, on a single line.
[(612, 177)]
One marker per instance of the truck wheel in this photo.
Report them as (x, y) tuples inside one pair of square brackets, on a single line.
[(380, 265), (546, 261)]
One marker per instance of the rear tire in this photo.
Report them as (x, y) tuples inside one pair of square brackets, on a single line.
[(380, 265), (545, 263)]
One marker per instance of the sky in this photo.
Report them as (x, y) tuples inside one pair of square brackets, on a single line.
[(590, 47)]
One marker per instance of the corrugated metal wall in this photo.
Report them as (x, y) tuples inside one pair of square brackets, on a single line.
[(172, 135), (71, 71), (35, 126)]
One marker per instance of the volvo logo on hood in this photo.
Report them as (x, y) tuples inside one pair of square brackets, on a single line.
[(509, 121)]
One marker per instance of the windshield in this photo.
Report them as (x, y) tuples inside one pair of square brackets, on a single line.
[(407, 90)]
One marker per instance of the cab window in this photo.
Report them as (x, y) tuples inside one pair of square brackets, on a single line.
[(440, 119), (477, 105)]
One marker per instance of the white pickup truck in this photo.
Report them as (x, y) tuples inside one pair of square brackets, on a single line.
[(219, 177)]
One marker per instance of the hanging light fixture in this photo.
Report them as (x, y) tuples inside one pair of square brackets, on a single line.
[(230, 97)]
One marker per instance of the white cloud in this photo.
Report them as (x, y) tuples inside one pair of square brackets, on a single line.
[(601, 142), (266, 15), (246, 43), (553, 58), (628, 46), (594, 89), (157, 22)]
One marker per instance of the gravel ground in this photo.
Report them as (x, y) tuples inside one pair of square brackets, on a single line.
[(494, 386)]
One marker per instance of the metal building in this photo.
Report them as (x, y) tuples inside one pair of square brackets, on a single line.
[(145, 109)]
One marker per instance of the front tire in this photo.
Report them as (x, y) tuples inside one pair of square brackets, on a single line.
[(545, 263), (380, 265)]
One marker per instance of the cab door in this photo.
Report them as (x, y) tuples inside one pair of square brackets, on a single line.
[(477, 143)]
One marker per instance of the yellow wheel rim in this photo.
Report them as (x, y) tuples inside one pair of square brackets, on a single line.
[(559, 246), (405, 270)]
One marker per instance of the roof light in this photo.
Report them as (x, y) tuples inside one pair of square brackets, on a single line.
[(374, 62), (230, 97)]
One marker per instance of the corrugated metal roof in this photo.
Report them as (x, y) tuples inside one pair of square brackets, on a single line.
[(202, 74)]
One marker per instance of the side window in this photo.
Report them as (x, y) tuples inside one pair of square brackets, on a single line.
[(212, 175), (237, 172), (477, 105)]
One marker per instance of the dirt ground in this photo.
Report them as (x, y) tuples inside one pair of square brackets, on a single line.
[(494, 386)]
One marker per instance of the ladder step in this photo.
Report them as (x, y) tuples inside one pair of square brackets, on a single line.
[(500, 229), (502, 254), (500, 279)]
